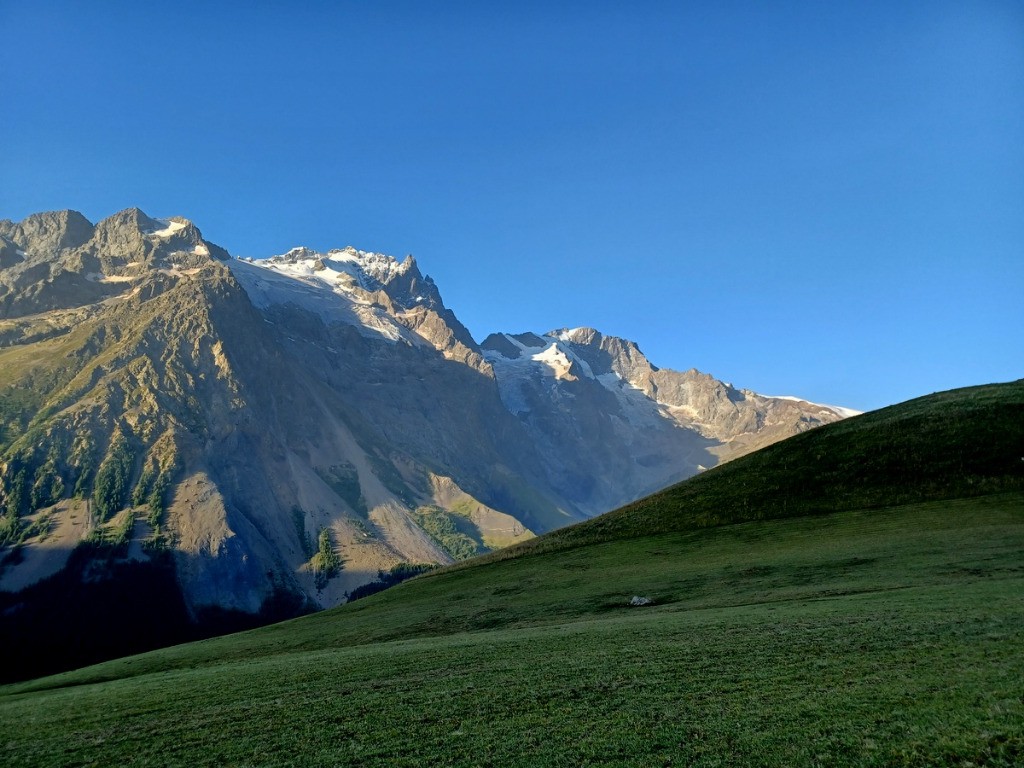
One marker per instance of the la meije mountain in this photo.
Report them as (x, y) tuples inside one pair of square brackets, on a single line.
[(204, 442)]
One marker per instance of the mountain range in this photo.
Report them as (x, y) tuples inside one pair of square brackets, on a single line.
[(256, 438)]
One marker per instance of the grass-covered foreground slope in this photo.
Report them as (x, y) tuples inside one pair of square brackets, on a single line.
[(880, 635)]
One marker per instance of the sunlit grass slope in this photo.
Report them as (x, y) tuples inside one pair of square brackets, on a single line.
[(840, 629)]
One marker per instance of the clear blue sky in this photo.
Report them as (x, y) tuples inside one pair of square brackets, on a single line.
[(819, 199)]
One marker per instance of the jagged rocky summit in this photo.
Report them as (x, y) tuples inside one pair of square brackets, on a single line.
[(268, 436)]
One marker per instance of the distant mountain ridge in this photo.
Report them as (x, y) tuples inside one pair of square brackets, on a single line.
[(272, 434)]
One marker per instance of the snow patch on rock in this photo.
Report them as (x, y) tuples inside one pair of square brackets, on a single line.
[(169, 228), (99, 277), (346, 267), (559, 361), (510, 375), (838, 409), (638, 409), (294, 281)]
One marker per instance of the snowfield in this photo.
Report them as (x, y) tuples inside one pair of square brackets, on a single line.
[(337, 287)]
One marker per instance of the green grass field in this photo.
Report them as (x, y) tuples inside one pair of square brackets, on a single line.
[(884, 635), (865, 638)]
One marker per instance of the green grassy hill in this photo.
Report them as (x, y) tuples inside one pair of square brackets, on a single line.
[(961, 443), (852, 596)]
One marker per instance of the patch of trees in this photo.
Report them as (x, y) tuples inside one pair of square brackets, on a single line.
[(110, 491), (299, 519), (17, 498), (51, 465), (151, 490), (48, 487), (326, 562), (115, 537), (443, 528)]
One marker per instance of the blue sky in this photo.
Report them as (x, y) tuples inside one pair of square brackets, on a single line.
[(817, 199)]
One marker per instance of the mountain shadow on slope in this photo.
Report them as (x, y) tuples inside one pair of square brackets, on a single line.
[(103, 605)]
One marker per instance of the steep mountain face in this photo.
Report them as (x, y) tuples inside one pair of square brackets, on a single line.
[(270, 435), (617, 427)]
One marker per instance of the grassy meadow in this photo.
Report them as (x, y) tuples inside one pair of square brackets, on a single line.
[(860, 639)]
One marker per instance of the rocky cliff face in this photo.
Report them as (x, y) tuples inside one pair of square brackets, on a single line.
[(613, 427), (271, 435)]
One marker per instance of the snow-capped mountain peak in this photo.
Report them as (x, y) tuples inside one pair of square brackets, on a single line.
[(547, 354), (346, 269), (377, 294)]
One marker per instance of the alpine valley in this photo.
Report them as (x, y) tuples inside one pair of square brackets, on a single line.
[(192, 443)]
